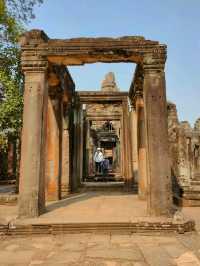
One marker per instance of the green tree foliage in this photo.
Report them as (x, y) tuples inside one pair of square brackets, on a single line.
[(8, 25), (11, 106), (14, 14)]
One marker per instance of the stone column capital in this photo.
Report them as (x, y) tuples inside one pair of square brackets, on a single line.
[(33, 58), (33, 62), (153, 65)]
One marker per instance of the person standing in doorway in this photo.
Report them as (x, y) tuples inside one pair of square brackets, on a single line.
[(98, 158)]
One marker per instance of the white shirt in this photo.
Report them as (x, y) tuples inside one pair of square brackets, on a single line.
[(98, 157)]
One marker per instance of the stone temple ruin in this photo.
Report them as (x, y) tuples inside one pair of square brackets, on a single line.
[(63, 127), (185, 158)]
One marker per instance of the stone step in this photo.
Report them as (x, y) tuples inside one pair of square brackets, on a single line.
[(102, 178), (192, 196), (106, 186), (120, 227), (8, 182), (8, 199), (195, 183), (196, 177), (187, 200)]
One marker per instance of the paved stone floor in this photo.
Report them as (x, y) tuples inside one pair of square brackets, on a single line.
[(99, 250), (94, 207), (93, 249)]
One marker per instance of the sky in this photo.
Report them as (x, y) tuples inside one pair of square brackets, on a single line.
[(172, 22)]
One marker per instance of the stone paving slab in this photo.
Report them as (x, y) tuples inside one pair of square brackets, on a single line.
[(94, 207), (100, 250), (174, 250), (156, 255)]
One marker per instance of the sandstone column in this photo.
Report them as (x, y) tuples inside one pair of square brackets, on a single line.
[(122, 148), (66, 152), (75, 180), (134, 142), (159, 181), (127, 152), (81, 144), (31, 188), (78, 145), (53, 169), (89, 151), (142, 154)]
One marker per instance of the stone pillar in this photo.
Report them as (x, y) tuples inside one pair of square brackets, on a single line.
[(32, 167), (159, 179), (78, 144), (142, 154), (89, 151), (75, 181), (66, 153), (53, 170), (122, 148), (81, 145), (127, 152), (134, 142)]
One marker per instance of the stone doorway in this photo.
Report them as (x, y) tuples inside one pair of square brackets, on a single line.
[(103, 129), (48, 83), (108, 140)]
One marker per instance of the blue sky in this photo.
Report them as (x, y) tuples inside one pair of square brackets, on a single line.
[(173, 22)]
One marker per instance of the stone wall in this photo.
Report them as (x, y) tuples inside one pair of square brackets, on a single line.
[(185, 157)]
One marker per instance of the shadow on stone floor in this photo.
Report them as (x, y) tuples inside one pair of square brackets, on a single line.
[(77, 197)]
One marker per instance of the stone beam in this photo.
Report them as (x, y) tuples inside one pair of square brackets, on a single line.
[(97, 97), (79, 51)]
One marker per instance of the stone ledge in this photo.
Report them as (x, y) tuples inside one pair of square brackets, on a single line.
[(8, 199), (127, 228), (187, 202)]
